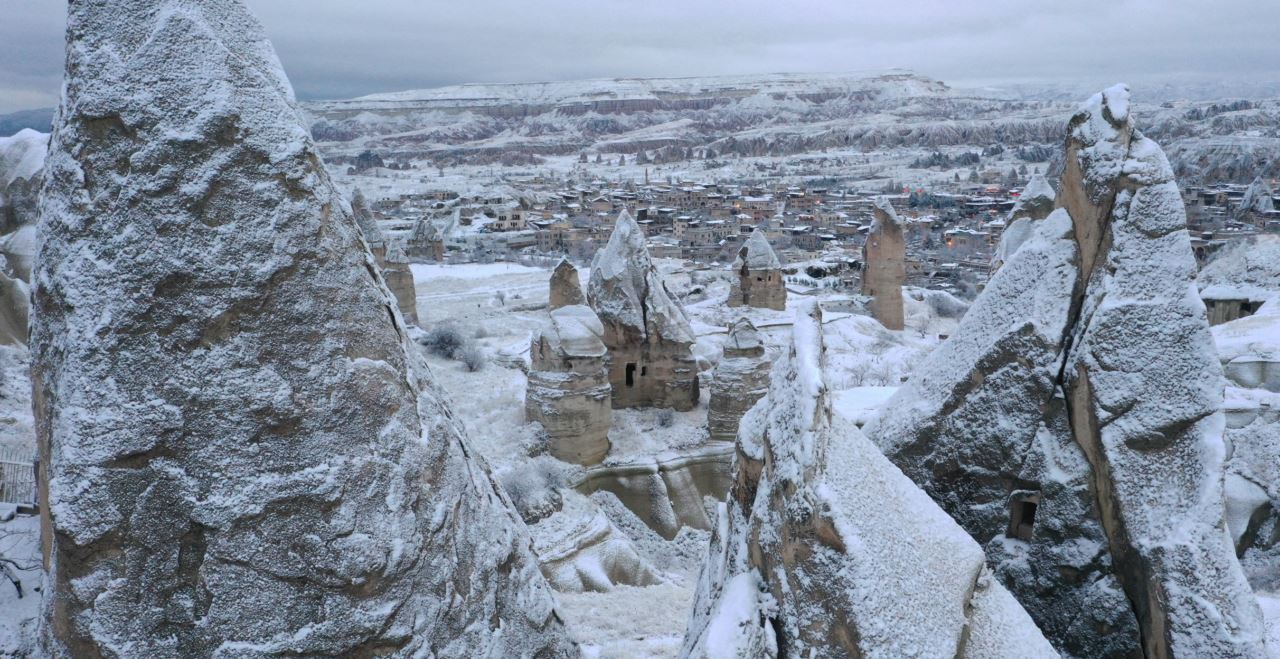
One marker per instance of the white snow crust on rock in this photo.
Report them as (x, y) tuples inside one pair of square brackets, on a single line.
[(759, 253), (1035, 203), (1244, 270), (825, 549), (242, 456), (1144, 389), (1258, 197), (365, 220), (625, 288), (22, 155)]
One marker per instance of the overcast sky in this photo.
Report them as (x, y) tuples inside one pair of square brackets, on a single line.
[(344, 48)]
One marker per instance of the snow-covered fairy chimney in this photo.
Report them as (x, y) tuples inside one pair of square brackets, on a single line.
[(1145, 391), (240, 456), (884, 266)]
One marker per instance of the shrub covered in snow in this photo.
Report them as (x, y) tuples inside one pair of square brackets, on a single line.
[(444, 341), (534, 487), (472, 358)]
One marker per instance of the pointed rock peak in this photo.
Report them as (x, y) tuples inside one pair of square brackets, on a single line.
[(743, 335), (1038, 188), (757, 253), (566, 287), (315, 498), (884, 213), (364, 218)]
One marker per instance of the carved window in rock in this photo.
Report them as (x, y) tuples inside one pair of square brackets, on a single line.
[(631, 374), (1022, 514)]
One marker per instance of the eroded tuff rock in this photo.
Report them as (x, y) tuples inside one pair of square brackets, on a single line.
[(646, 331), (757, 278), (1257, 197), (21, 164), (1081, 395), (568, 390), (399, 278), (1145, 392), (825, 549), (1035, 203), (973, 428), (426, 242), (566, 287), (240, 455), (884, 266), (368, 225), (739, 380)]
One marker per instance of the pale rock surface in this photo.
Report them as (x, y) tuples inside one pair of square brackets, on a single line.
[(739, 380), (1144, 390), (647, 333), (970, 428), (884, 266), (1035, 203), (399, 279), (566, 287), (1258, 197), (368, 224), (825, 549), (568, 391), (241, 457), (757, 278)]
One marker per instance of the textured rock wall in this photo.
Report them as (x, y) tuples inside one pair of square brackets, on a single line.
[(566, 287), (239, 453), (757, 278), (825, 549), (884, 266)]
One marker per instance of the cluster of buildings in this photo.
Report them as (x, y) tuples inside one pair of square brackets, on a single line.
[(951, 238)]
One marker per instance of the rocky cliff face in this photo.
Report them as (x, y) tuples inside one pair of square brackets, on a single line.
[(825, 549), (240, 455), (646, 331), (1035, 204), (1082, 395), (884, 266)]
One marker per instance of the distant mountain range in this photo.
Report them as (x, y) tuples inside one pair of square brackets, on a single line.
[(41, 120)]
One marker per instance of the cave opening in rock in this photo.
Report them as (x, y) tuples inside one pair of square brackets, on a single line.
[(631, 374)]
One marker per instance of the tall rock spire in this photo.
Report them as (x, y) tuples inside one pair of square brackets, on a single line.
[(884, 266), (1144, 388), (1073, 422), (240, 455)]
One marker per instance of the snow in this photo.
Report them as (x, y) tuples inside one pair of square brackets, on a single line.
[(759, 253), (861, 404), (22, 155), (578, 331), (1243, 270), (425, 273)]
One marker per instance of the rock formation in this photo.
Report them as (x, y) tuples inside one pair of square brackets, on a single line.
[(884, 266), (240, 454), (1240, 278), (369, 226), (825, 549), (21, 164), (1144, 389), (399, 277), (1081, 395), (568, 390), (1258, 198), (566, 287), (739, 380), (1035, 203), (426, 242), (758, 276), (646, 331)]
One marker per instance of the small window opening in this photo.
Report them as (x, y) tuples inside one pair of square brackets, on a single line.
[(1022, 516), (644, 370), (631, 375)]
